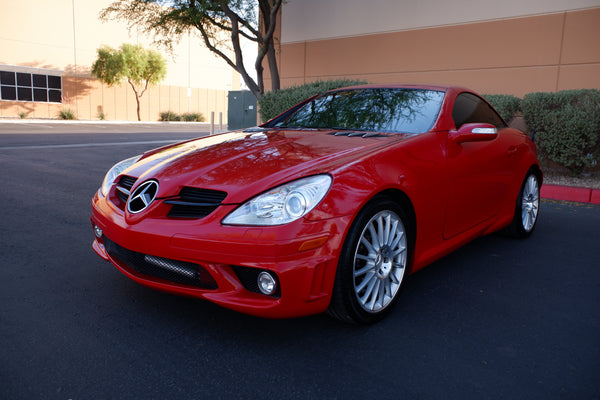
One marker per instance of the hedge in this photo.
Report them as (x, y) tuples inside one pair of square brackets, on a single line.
[(565, 126), (274, 103)]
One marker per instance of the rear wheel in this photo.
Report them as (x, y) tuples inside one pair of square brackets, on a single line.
[(372, 265), (527, 207)]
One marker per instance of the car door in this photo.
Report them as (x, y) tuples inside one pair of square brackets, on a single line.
[(479, 172)]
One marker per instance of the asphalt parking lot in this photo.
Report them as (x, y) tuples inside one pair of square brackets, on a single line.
[(497, 319)]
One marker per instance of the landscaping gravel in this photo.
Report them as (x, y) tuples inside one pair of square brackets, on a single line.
[(590, 180)]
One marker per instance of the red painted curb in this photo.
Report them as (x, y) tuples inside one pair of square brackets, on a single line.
[(595, 196), (568, 193)]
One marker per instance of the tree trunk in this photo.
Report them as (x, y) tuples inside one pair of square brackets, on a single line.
[(272, 59), (137, 98), (269, 13)]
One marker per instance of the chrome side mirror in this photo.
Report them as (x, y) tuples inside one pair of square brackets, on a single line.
[(474, 133)]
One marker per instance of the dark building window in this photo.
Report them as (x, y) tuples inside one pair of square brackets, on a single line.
[(39, 81), (23, 79), (7, 78), (24, 94), (54, 82), (24, 86), (9, 93), (40, 94), (54, 96)]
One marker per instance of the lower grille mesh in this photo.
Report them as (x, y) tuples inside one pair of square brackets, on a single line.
[(181, 272)]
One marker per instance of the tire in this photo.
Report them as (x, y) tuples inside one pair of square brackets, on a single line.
[(527, 207), (373, 263)]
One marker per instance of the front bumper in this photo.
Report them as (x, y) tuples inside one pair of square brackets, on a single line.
[(302, 255)]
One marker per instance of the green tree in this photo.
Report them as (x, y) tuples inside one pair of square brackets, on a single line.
[(168, 20), (140, 67)]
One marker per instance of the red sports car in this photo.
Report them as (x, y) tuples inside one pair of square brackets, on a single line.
[(327, 207)]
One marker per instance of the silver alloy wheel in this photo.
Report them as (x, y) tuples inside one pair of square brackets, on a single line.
[(380, 261), (530, 202)]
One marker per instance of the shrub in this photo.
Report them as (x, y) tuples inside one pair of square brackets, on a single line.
[(507, 105), (566, 126), (192, 117), (274, 103), (66, 113), (187, 117), (169, 116)]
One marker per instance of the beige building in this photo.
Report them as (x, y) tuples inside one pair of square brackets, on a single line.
[(513, 47), (509, 47), (47, 48)]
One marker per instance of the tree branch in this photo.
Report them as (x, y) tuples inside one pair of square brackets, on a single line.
[(224, 27), (209, 16), (239, 58)]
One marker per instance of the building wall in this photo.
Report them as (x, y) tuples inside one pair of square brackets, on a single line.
[(88, 98), (63, 35), (510, 47)]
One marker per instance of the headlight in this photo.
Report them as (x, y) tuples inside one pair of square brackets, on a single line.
[(115, 171), (282, 204)]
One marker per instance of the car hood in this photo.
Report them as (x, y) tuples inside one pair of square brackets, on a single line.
[(244, 163)]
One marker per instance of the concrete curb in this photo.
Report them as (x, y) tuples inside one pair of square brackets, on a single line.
[(568, 193)]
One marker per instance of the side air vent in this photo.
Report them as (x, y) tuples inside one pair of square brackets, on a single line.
[(195, 203)]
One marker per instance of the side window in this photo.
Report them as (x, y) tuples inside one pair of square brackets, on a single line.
[(469, 108)]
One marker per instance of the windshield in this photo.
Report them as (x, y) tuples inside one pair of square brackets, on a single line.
[(372, 110)]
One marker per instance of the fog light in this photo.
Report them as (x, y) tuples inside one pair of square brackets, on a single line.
[(266, 283), (97, 231)]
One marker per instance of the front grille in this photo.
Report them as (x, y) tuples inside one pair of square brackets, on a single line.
[(195, 202), (124, 187), (181, 272)]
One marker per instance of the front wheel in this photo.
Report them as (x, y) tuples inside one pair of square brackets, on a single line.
[(527, 207), (372, 265)]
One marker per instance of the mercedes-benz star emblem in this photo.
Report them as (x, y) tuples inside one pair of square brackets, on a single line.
[(142, 196)]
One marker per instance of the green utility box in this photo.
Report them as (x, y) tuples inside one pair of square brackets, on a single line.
[(241, 111)]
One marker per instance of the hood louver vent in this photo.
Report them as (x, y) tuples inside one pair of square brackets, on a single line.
[(358, 134)]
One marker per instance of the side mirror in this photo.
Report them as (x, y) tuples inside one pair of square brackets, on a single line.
[(474, 133)]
